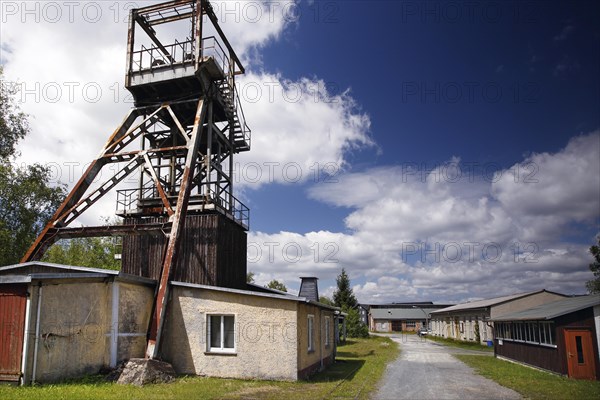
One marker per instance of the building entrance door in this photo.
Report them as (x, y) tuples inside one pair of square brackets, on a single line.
[(580, 354)]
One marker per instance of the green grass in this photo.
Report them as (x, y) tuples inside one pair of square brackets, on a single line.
[(360, 364), (529, 382), (460, 344)]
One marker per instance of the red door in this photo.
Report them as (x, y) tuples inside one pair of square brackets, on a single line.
[(580, 354), (13, 299)]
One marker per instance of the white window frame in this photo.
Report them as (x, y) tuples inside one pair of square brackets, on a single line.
[(327, 328), (311, 332), (221, 349), (541, 333)]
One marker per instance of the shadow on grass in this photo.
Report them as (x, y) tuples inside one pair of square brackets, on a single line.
[(340, 370)]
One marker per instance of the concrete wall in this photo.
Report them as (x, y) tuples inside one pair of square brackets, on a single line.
[(74, 321), (321, 355), (524, 303), (135, 309), (266, 335), (80, 332)]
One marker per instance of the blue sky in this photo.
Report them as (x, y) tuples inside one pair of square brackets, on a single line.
[(457, 145)]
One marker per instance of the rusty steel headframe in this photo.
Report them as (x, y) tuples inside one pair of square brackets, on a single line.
[(188, 124)]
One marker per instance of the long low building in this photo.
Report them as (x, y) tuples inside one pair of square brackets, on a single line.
[(59, 322), (561, 337), (472, 321), (401, 317)]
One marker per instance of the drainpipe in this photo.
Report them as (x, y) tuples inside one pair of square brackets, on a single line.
[(37, 334), (26, 339), (321, 338)]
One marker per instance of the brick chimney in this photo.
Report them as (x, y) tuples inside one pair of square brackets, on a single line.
[(309, 288)]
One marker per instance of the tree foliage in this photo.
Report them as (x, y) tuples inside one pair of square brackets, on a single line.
[(354, 326), (27, 199), (326, 300), (13, 123), (275, 284), (343, 296), (593, 285), (250, 277), (85, 252)]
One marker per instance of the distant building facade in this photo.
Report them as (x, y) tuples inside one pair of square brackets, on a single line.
[(400, 317), (472, 321)]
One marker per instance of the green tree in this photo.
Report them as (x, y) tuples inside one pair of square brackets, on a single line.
[(13, 123), (27, 199), (343, 296), (250, 277), (275, 284), (593, 285), (354, 326), (326, 300), (86, 252)]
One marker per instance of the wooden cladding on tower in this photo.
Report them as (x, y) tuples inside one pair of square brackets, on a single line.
[(213, 252)]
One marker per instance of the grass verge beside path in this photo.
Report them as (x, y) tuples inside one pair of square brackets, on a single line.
[(360, 364), (461, 344), (529, 382)]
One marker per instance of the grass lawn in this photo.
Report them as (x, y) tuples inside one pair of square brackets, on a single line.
[(460, 344), (531, 383), (360, 365)]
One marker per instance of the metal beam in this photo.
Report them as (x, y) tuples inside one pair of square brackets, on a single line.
[(178, 220), (37, 249)]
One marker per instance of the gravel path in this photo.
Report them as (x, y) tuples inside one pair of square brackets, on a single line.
[(427, 370)]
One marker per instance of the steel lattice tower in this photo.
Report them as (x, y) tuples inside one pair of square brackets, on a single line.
[(181, 137)]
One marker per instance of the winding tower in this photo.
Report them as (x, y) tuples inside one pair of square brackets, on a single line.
[(181, 220)]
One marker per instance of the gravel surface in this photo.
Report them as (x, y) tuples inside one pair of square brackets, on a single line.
[(427, 370)]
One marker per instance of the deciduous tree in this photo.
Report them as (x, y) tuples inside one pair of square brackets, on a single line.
[(27, 197), (593, 285), (275, 284)]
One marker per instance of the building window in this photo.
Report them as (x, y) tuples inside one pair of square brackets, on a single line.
[(326, 331), (410, 324), (221, 333), (540, 333), (311, 333)]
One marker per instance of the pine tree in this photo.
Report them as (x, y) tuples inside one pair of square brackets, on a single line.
[(344, 297)]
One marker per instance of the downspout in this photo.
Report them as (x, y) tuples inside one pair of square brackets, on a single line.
[(321, 339), (37, 334), (26, 340)]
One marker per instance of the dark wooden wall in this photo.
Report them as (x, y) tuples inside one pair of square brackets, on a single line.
[(212, 252), (552, 359)]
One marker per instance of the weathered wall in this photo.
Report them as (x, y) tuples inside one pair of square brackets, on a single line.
[(135, 308), (462, 326), (524, 303), (212, 252), (310, 361), (266, 330), (77, 330), (74, 320)]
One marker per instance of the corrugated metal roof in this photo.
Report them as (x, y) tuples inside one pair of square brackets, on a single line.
[(552, 310), (399, 313), (486, 302)]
